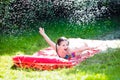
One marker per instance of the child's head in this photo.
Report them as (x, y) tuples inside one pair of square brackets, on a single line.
[(61, 39), (62, 43)]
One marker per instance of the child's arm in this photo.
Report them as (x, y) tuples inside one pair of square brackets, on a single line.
[(86, 47), (48, 40)]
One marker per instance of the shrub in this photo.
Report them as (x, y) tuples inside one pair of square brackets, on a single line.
[(19, 14)]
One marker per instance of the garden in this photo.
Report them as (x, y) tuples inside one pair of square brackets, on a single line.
[(86, 19)]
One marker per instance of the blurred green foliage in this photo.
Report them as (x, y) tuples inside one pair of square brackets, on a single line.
[(17, 15)]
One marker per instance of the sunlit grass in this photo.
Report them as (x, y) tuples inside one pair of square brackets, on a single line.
[(103, 66)]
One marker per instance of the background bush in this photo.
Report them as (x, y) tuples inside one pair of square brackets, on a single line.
[(24, 14)]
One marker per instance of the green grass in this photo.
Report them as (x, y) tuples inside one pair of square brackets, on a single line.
[(104, 66)]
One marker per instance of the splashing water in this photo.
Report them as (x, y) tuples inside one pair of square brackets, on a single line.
[(83, 11)]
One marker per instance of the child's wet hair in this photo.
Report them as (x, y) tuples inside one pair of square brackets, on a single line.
[(60, 40)]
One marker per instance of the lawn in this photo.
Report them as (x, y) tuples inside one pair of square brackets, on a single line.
[(103, 66)]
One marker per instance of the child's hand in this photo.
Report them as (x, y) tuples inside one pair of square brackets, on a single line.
[(41, 31)]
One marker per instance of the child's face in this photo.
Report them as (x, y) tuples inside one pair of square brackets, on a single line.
[(64, 45)]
